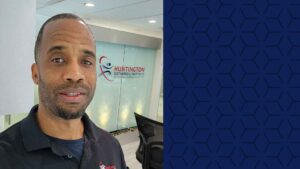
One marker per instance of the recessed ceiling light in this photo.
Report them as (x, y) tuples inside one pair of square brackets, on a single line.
[(89, 4), (152, 21)]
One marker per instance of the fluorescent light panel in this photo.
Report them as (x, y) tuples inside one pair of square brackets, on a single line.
[(152, 21), (89, 4)]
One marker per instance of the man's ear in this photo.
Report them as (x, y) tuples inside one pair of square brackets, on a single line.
[(35, 73)]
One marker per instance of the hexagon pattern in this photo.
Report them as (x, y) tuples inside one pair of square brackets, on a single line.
[(232, 84)]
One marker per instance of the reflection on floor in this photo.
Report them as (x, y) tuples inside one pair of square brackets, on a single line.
[(129, 141)]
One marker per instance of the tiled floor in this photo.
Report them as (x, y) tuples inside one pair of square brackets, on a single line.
[(129, 142), (129, 153)]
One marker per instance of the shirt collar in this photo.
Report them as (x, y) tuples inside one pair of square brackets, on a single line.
[(35, 139), (89, 127)]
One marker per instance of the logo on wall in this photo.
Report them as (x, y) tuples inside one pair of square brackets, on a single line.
[(111, 72), (105, 67)]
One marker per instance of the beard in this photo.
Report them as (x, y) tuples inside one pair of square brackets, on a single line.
[(48, 96)]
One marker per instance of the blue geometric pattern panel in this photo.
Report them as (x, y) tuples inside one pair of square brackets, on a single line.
[(232, 84)]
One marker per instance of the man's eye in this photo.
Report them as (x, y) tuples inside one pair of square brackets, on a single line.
[(86, 62), (57, 60)]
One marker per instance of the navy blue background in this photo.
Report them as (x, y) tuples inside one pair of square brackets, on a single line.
[(232, 84)]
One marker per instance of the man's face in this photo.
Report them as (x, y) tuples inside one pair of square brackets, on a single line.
[(66, 68)]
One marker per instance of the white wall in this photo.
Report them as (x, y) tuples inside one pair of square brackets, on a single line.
[(1, 123), (40, 19), (16, 45), (156, 84)]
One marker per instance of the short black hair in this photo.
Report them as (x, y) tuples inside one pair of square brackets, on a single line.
[(53, 18)]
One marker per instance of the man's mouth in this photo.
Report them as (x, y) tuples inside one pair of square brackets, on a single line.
[(72, 95)]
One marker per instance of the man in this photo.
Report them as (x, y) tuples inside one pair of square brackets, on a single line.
[(57, 134)]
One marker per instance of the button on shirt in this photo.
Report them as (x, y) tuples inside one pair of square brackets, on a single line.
[(25, 146)]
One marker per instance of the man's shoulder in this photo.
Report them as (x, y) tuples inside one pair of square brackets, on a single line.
[(93, 130), (11, 133), (103, 135), (10, 139)]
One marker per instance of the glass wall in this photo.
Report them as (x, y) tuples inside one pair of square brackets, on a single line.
[(123, 86), (104, 108), (136, 91)]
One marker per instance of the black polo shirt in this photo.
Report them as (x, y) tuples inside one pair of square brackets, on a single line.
[(25, 146)]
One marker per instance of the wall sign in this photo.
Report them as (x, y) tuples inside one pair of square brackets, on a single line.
[(110, 71)]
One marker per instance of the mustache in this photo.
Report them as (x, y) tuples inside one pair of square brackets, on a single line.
[(72, 85)]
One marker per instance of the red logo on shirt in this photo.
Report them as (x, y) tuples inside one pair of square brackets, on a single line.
[(102, 166)]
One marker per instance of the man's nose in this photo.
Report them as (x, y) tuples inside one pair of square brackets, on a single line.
[(73, 72)]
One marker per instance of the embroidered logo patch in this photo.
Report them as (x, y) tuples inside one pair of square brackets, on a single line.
[(102, 166)]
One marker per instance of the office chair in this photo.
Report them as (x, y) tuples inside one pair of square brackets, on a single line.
[(150, 150)]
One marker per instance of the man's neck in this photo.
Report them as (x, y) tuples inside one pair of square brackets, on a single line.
[(58, 127)]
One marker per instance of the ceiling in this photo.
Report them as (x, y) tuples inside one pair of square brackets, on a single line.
[(126, 15)]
